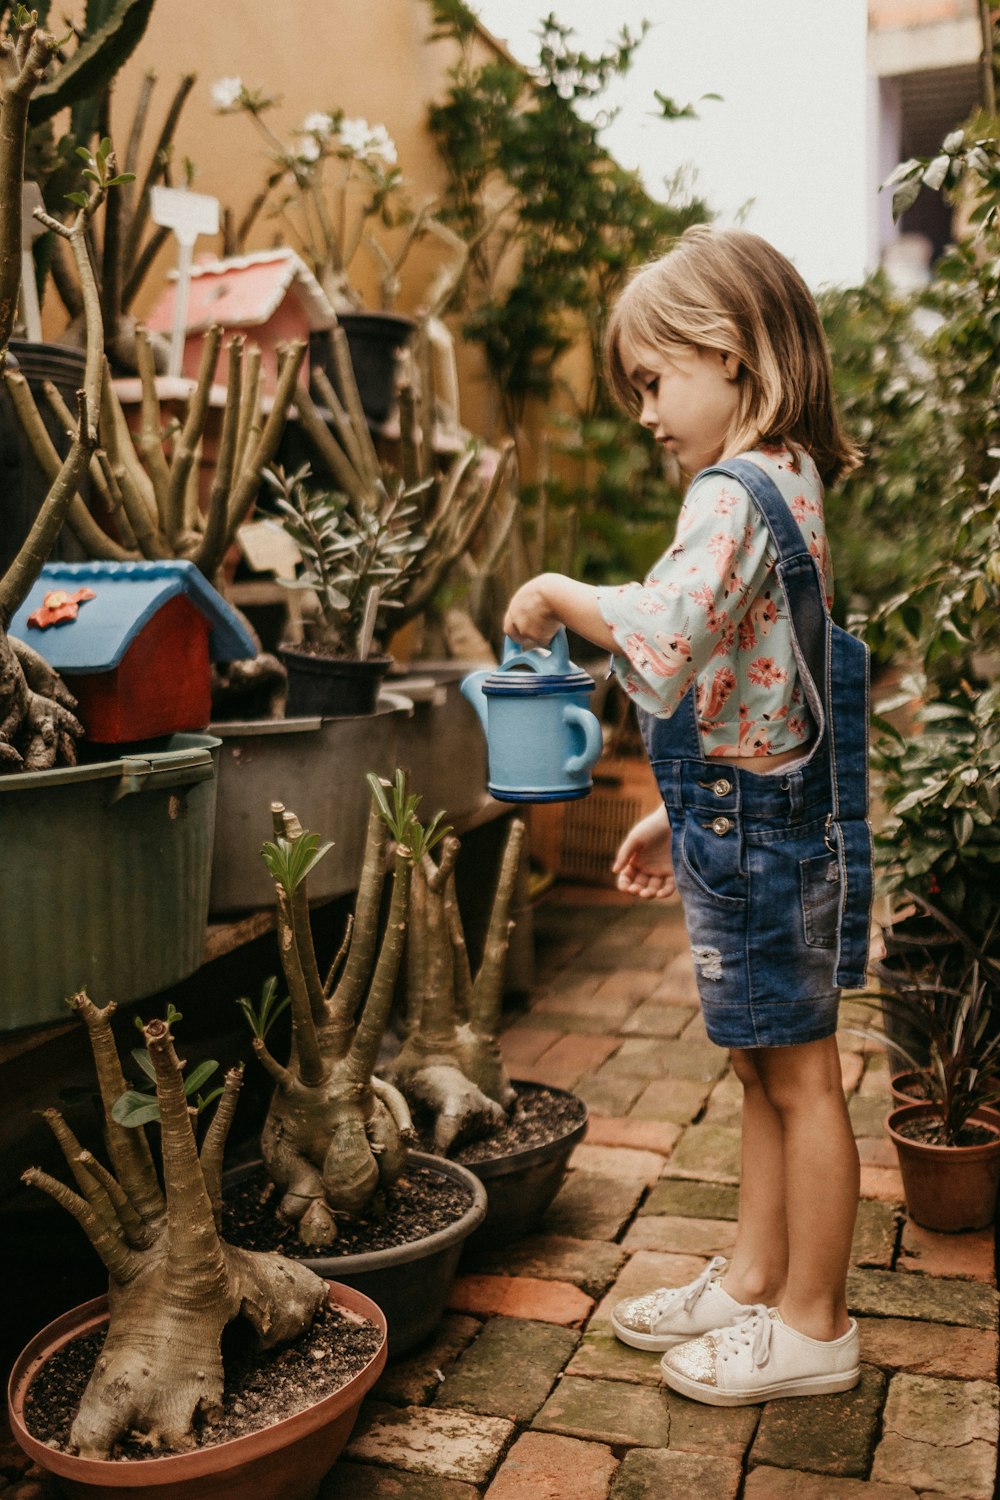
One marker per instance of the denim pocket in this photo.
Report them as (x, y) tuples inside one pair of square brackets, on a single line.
[(711, 856), (820, 900)]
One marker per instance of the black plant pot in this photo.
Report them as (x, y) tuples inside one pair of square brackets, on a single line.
[(23, 485), (331, 687), (374, 339)]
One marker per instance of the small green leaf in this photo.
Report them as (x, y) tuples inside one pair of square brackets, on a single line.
[(134, 1109), (198, 1076)]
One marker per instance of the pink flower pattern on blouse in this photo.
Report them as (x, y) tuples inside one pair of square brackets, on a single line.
[(711, 615)]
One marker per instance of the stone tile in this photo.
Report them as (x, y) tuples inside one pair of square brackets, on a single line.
[(639, 1135), (609, 1096), (678, 984), (877, 1151), (677, 1099), (711, 1152), (587, 999), (888, 1295), (692, 1199), (681, 1236), (793, 1484), (347, 1481), (875, 1081), (968, 1255), (567, 1059), (875, 1234), (589, 1206), (424, 1440), (543, 1466), (868, 1114), (823, 1434), (413, 1380), (595, 1410), (726, 1431), (601, 1356), (651, 1019), (592, 1265), (649, 1472), (574, 983), (631, 984), (940, 1437), (618, 1162), (725, 1103), (520, 1297), (541, 1018), (852, 1068), (648, 1269), (522, 1046), (509, 1370), (648, 1057), (883, 1183), (940, 1349), (695, 1032)]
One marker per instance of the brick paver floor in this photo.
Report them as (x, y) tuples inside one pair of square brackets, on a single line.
[(524, 1394)]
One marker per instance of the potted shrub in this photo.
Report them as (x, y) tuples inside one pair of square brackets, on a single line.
[(516, 1137), (338, 1175), (154, 1346), (947, 1132)]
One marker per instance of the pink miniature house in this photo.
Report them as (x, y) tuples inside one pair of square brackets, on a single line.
[(271, 296)]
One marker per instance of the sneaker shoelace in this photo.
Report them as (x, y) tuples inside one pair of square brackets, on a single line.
[(688, 1295), (753, 1333)]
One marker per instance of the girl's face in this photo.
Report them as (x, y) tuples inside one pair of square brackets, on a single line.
[(689, 398)]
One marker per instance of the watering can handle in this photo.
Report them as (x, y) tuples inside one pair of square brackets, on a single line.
[(593, 742), (559, 662)]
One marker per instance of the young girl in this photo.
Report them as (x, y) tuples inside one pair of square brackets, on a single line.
[(753, 707)]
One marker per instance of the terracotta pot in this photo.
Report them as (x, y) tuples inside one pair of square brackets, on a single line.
[(286, 1461), (905, 1088), (948, 1188), (521, 1184)]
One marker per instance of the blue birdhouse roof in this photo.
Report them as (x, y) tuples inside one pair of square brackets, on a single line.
[(126, 597)]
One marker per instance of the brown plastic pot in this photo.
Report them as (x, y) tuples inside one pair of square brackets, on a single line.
[(949, 1188), (904, 1088), (286, 1461)]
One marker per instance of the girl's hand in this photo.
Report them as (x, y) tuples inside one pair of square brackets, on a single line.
[(643, 864), (529, 619)]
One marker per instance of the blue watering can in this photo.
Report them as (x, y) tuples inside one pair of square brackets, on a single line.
[(541, 737)]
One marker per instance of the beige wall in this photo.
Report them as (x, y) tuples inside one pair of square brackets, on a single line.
[(368, 57)]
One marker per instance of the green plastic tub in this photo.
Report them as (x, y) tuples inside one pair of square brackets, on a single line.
[(104, 877)]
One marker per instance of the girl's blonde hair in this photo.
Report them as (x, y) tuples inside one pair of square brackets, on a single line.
[(729, 290)]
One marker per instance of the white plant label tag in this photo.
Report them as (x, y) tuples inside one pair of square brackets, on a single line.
[(188, 215), (31, 198)]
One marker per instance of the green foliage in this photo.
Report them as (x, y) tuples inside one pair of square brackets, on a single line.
[(346, 551), (575, 221), (941, 789), (290, 860), (261, 1019), (112, 31), (398, 810), (140, 1106)]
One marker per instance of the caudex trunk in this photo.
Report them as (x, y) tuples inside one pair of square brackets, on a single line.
[(174, 1283), (450, 1066), (334, 1136)]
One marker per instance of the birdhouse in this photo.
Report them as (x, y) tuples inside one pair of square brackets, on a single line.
[(134, 643), (271, 296)]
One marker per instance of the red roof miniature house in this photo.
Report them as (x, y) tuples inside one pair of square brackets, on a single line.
[(272, 296), (134, 641)]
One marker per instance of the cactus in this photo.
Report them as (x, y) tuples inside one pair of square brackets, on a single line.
[(113, 31)]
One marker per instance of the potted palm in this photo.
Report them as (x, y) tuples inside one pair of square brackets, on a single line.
[(945, 1127)]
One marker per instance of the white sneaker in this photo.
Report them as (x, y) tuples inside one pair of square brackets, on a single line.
[(759, 1359), (672, 1315)]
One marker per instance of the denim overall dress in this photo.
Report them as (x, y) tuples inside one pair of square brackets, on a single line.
[(775, 870)]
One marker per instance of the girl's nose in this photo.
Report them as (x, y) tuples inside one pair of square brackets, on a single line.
[(648, 414)]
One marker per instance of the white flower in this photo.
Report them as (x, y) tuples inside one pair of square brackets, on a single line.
[(227, 92), (307, 148), (354, 135), (367, 142), (380, 143), (318, 124)]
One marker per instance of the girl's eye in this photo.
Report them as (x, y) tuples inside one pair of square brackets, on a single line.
[(651, 385)]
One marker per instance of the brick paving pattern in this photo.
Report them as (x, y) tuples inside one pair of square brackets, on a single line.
[(524, 1394)]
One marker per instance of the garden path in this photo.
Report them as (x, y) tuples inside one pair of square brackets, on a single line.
[(524, 1394)]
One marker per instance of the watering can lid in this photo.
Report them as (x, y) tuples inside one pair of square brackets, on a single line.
[(550, 670)]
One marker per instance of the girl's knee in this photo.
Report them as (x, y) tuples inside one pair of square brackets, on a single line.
[(804, 1076), (745, 1067)]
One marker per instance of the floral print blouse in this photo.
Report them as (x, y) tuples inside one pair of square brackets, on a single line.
[(712, 613)]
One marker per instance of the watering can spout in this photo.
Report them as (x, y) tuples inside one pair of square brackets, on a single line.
[(471, 688)]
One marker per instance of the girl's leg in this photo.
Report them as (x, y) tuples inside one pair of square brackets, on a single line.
[(821, 1180), (758, 1265)]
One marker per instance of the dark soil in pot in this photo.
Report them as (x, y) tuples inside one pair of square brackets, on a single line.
[(930, 1131), (421, 1203), (323, 683), (541, 1115), (261, 1387)]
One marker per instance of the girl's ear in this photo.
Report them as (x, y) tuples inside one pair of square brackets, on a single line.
[(731, 366)]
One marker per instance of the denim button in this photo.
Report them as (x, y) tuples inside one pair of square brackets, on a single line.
[(722, 787), (721, 825)]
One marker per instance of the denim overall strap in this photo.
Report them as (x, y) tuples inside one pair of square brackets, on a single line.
[(834, 667)]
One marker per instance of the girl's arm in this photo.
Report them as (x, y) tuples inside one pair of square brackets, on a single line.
[(541, 605)]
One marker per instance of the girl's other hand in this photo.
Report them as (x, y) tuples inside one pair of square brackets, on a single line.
[(643, 864), (529, 619)]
